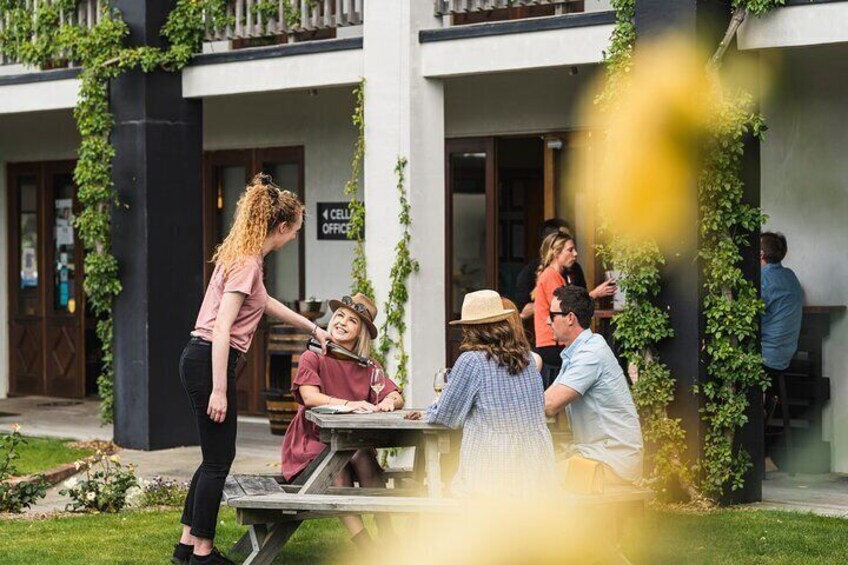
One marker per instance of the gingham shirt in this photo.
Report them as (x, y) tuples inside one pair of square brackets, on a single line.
[(506, 445)]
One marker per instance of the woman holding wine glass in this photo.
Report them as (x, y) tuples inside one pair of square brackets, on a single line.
[(326, 380)]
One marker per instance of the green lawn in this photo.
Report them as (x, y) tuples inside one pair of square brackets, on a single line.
[(735, 537), (41, 454)]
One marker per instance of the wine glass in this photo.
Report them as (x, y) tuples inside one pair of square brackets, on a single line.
[(440, 379), (378, 383)]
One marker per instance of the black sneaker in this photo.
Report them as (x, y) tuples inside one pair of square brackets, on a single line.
[(182, 553), (214, 558)]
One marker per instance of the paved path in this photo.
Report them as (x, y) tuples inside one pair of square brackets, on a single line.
[(257, 450)]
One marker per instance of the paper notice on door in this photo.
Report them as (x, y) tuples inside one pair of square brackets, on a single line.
[(64, 235)]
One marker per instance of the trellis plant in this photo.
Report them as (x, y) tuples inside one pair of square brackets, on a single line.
[(395, 305), (643, 325)]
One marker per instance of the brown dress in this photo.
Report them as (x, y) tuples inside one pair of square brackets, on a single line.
[(340, 379)]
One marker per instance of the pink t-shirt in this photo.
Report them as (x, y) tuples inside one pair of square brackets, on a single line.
[(244, 278)]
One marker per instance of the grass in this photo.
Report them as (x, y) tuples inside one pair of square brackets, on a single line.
[(142, 538), (41, 453), (740, 537)]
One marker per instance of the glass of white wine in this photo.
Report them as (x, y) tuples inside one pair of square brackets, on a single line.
[(378, 383), (440, 380)]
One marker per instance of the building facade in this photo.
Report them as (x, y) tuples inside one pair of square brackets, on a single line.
[(484, 103)]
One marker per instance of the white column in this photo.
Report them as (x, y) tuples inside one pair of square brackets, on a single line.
[(404, 116), (4, 286)]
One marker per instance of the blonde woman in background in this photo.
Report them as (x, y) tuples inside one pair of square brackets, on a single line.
[(559, 253), (266, 219)]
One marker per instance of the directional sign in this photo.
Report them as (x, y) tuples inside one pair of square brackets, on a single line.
[(333, 220)]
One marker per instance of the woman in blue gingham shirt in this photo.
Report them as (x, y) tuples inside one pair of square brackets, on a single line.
[(496, 396)]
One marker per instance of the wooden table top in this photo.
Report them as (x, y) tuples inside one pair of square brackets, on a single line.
[(375, 421), (824, 309)]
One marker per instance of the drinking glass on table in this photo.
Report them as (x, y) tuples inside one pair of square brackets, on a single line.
[(440, 380), (378, 383)]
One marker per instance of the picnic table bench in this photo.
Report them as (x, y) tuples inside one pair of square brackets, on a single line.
[(274, 510)]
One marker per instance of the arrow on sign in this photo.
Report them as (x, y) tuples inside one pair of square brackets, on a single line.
[(326, 214)]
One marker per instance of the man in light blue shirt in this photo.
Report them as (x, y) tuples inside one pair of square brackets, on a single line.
[(592, 388), (781, 292)]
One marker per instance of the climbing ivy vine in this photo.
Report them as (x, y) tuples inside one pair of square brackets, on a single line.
[(359, 269), (643, 325), (393, 327), (40, 37), (731, 307)]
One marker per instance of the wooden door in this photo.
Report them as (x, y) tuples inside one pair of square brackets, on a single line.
[(46, 302), (471, 224), (225, 175)]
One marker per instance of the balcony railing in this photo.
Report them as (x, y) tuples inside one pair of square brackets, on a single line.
[(288, 21), (85, 15), (460, 12)]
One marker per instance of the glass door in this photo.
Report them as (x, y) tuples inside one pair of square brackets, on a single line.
[(226, 173), (471, 222), (47, 322)]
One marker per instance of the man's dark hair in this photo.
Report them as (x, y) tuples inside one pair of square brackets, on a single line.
[(553, 225), (773, 246), (576, 299)]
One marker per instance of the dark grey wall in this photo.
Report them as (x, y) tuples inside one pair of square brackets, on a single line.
[(704, 23), (157, 241)]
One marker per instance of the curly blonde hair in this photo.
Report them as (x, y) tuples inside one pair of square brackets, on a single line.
[(262, 207), (499, 342)]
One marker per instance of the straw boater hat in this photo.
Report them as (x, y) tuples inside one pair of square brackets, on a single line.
[(483, 307), (362, 306)]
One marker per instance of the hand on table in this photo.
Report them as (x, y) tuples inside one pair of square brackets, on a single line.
[(386, 405), (362, 406), (414, 415)]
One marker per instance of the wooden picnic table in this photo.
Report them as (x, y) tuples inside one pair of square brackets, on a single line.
[(345, 433), (274, 510)]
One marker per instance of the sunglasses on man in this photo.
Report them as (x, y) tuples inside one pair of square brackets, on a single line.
[(552, 315)]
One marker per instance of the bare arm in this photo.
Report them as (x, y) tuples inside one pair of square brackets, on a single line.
[(280, 311), (312, 397), (230, 304), (557, 397)]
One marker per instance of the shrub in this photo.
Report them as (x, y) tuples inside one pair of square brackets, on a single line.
[(157, 492), (104, 487), (17, 496)]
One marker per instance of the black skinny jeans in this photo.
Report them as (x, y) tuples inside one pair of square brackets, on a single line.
[(217, 441)]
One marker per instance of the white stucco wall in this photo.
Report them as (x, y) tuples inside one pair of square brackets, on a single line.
[(321, 124), (805, 194), (520, 102), (34, 136)]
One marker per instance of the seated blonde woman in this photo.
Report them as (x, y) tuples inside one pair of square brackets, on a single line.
[(495, 395), (323, 380)]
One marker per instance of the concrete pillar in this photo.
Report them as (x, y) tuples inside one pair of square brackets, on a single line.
[(404, 116), (157, 241)]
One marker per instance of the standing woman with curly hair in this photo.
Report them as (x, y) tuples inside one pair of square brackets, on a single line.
[(266, 219), (495, 395)]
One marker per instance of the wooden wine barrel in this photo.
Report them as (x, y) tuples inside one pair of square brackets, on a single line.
[(285, 344)]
